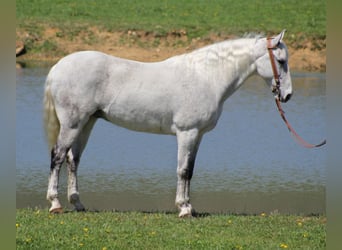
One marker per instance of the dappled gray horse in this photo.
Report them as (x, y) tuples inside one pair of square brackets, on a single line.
[(181, 96)]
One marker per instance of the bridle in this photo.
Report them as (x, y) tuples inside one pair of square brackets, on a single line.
[(276, 90)]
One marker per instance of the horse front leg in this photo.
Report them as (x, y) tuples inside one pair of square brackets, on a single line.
[(58, 155), (188, 142)]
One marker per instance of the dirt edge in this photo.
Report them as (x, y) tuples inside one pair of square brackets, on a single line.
[(51, 44)]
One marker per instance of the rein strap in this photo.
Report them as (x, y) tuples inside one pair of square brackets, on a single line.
[(299, 139)]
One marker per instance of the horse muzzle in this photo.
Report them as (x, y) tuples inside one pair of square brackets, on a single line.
[(278, 94), (286, 98), (281, 98)]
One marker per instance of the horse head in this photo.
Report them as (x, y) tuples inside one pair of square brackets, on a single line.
[(272, 65)]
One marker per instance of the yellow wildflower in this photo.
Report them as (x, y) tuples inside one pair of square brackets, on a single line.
[(263, 214), (283, 245), (17, 225), (85, 230)]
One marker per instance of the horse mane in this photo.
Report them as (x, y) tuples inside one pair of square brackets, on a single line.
[(214, 53), (250, 35), (253, 35)]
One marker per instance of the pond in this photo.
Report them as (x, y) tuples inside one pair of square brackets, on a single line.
[(248, 164)]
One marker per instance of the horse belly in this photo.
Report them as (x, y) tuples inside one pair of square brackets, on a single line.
[(148, 116)]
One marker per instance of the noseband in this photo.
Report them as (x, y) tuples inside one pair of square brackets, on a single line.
[(276, 88)]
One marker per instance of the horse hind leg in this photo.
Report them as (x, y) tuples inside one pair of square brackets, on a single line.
[(66, 138), (58, 154), (73, 159)]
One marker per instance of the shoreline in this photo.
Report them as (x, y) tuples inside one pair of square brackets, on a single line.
[(50, 46)]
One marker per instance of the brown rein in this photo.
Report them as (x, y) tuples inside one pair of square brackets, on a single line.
[(276, 89), (299, 139)]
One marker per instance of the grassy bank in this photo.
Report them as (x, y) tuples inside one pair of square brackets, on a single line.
[(37, 229), (198, 18), (54, 28)]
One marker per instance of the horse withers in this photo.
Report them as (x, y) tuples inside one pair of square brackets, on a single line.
[(181, 96)]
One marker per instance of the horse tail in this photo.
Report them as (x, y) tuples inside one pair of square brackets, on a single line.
[(51, 122)]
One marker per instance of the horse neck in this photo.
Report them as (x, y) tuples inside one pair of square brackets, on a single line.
[(236, 62)]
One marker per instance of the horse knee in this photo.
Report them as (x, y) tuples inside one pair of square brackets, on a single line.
[(185, 173), (186, 168)]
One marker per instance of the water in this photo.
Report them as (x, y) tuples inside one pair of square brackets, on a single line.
[(248, 164)]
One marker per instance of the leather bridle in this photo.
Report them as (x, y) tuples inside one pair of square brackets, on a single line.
[(276, 90)]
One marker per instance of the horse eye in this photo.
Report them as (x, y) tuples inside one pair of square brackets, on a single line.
[(281, 61)]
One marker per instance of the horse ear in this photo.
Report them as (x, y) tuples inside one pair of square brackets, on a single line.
[(276, 40)]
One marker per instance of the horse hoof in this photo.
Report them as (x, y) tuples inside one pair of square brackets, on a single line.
[(80, 209), (57, 210), (185, 215), (185, 212)]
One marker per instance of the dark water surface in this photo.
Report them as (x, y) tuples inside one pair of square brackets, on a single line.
[(248, 164)]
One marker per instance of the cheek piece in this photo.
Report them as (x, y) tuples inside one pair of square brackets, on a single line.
[(276, 87)]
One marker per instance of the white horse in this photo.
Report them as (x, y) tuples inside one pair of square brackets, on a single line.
[(181, 96)]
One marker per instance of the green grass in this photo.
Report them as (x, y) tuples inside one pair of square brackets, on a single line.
[(74, 20), (197, 17), (37, 229)]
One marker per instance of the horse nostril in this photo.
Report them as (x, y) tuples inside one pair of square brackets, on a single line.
[(287, 97)]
